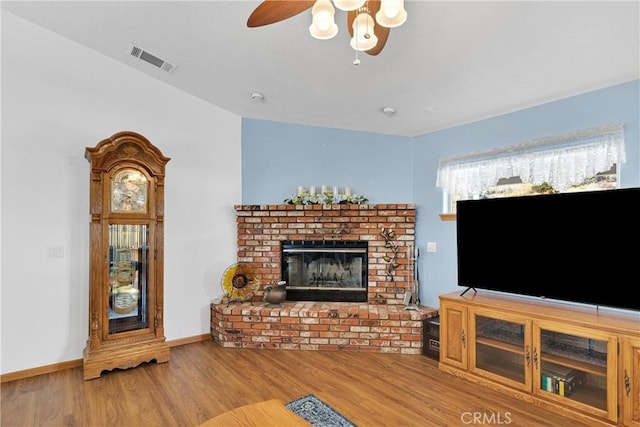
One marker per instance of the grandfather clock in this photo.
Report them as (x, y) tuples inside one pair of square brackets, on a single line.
[(126, 266)]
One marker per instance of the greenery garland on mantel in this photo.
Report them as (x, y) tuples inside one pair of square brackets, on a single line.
[(325, 197)]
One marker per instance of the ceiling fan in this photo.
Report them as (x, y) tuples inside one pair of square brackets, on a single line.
[(370, 20)]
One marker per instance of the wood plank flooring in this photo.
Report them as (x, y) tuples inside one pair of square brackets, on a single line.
[(203, 380)]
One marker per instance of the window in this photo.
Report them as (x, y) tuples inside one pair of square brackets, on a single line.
[(585, 160), (512, 187)]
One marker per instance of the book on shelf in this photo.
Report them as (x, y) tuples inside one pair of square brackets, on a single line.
[(561, 380)]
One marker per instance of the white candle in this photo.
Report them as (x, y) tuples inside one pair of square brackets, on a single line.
[(312, 190), (299, 191), (347, 191), (335, 190), (324, 189)]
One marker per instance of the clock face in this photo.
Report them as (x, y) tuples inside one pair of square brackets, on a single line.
[(129, 191)]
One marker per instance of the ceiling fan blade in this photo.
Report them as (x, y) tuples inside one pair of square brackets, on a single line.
[(272, 11), (381, 32)]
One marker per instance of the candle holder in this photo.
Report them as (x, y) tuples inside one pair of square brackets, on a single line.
[(325, 197)]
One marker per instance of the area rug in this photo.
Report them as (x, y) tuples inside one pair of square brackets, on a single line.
[(318, 413)]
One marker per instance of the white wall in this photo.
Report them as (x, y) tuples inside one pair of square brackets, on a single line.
[(58, 98)]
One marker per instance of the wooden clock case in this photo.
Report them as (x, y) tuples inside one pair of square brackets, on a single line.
[(126, 255)]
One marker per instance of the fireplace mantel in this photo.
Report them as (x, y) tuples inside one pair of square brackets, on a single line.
[(261, 229)]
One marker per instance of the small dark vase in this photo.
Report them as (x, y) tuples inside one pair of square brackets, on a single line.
[(275, 294)]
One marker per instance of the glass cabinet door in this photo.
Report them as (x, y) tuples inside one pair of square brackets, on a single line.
[(574, 368), (128, 277), (502, 349)]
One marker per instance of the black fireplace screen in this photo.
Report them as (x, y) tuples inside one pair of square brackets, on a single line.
[(325, 270)]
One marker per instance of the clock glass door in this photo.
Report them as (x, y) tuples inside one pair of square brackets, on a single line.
[(128, 277)]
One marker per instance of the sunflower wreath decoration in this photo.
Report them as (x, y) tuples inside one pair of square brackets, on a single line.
[(239, 282)]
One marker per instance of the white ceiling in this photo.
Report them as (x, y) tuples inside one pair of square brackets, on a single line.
[(451, 63)]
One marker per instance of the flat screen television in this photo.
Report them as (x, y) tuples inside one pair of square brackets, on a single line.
[(582, 247)]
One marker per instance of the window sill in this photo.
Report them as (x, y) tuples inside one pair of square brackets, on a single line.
[(447, 216)]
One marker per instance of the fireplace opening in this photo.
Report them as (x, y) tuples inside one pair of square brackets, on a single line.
[(319, 270)]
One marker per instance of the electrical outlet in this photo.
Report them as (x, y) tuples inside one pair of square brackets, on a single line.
[(431, 247), (56, 251)]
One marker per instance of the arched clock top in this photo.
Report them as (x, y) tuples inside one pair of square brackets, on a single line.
[(126, 146)]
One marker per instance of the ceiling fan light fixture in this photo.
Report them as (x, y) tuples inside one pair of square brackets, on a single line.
[(323, 35), (349, 5), (364, 37), (369, 36), (391, 14), (323, 25)]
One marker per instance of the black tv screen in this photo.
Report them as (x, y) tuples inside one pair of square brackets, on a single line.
[(581, 247)]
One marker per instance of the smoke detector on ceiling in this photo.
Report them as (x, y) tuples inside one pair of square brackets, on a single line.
[(388, 111), (152, 59)]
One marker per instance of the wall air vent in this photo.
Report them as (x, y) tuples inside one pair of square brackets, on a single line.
[(142, 54)]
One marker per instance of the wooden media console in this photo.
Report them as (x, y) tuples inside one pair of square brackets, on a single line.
[(580, 361)]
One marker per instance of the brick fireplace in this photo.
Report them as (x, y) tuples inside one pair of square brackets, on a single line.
[(381, 323)]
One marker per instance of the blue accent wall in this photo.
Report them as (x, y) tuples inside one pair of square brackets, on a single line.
[(278, 157), (616, 104)]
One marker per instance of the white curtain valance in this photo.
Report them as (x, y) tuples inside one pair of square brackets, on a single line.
[(560, 161)]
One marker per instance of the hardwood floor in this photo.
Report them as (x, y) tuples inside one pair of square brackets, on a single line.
[(203, 380)]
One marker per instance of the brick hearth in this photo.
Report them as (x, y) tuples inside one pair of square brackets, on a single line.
[(380, 325), (328, 326)]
